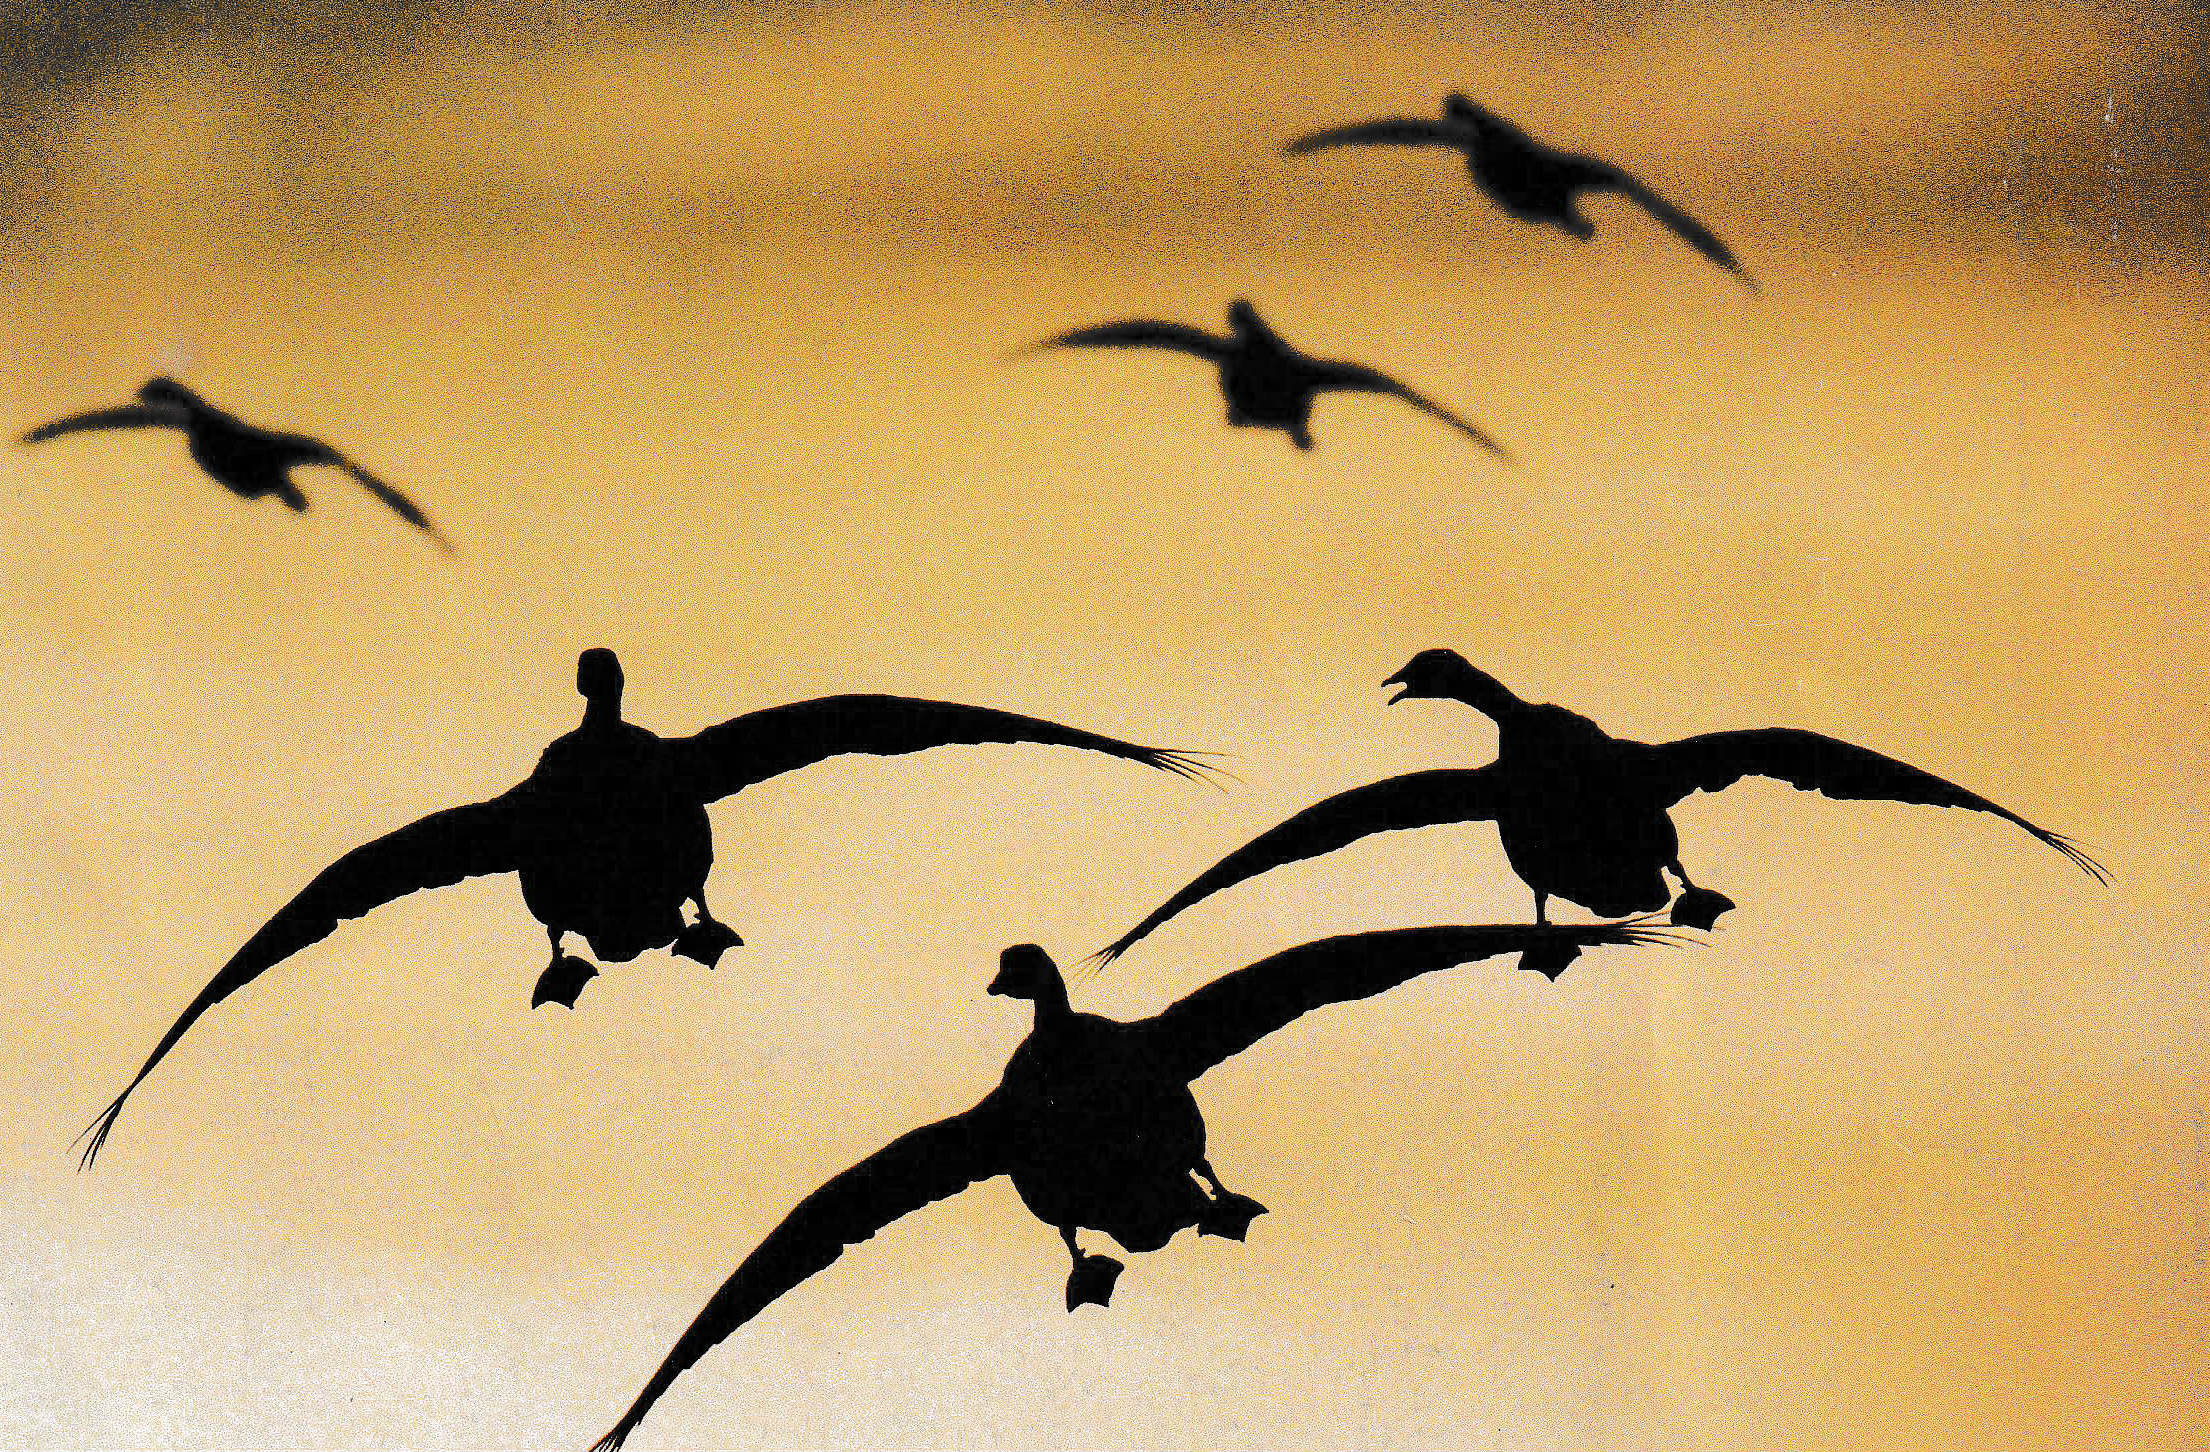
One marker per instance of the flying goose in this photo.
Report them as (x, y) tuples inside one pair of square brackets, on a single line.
[(1582, 814), (1094, 1120), (1530, 181), (250, 462), (610, 834), (1267, 383)]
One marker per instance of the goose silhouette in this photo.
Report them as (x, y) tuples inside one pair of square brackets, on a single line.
[(1267, 383), (251, 462), (1582, 814), (610, 834), (1530, 181), (1094, 1121)]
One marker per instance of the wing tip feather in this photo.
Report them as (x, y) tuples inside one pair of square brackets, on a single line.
[(94, 1135)]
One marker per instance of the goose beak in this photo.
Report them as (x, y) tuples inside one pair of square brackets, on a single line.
[(1399, 681)]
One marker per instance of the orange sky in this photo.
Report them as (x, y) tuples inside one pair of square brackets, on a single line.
[(691, 338)]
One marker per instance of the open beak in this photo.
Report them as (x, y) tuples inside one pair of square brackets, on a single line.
[(1397, 680)]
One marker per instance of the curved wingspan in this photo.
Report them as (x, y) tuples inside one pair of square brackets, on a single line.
[(437, 851), (1421, 799), (1140, 333), (1357, 378), (398, 503), (1390, 131), (917, 1169), (734, 755), (129, 416), (1833, 768), (1230, 1014), (1679, 223)]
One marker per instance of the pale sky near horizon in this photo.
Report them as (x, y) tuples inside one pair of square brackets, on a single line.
[(692, 338)]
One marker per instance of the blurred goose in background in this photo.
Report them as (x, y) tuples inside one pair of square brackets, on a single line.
[(1530, 181), (610, 834), (1094, 1121), (1582, 814), (1267, 383), (250, 462)]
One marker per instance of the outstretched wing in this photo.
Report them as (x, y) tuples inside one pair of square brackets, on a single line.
[(129, 416), (1390, 131), (1357, 378), (399, 504), (734, 755), (1603, 175), (1422, 799), (917, 1169), (1230, 1014), (1816, 763), (437, 851), (1140, 333)]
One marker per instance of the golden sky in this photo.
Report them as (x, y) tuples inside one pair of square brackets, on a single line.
[(690, 333)]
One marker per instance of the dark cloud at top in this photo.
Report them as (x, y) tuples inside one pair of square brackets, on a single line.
[(2131, 162)]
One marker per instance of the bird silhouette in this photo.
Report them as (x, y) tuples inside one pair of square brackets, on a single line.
[(249, 461), (1094, 1121), (1530, 181), (1267, 383), (610, 834), (1582, 814)]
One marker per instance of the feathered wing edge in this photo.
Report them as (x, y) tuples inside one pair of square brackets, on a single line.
[(436, 851), (761, 744), (917, 1169), (1233, 1012), (1830, 766), (1419, 799)]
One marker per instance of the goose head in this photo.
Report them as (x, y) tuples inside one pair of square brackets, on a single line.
[(1026, 971), (599, 680), (1446, 675), (167, 393)]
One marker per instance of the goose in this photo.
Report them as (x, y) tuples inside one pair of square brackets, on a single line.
[(1582, 814), (1094, 1121), (1529, 180), (1267, 383), (249, 461), (609, 834)]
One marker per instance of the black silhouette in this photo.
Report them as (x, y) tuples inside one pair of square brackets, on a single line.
[(1582, 815), (1094, 1121), (1267, 383), (610, 833), (1531, 181), (250, 462)]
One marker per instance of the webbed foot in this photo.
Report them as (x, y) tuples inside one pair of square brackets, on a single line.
[(562, 981), (1550, 960), (705, 941), (1091, 1283), (1700, 907), (1230, 1216)]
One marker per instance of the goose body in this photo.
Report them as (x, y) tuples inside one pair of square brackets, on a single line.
[(623, 845), (1577, 822), (1103, 1134)]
